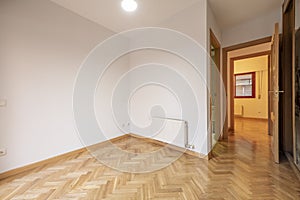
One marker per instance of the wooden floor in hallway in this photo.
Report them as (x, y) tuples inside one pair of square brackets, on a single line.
[(241, 169)]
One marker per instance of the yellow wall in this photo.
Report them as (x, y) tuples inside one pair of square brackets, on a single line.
[(253, 107)]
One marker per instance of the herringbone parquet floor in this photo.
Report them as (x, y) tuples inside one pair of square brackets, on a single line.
[(242, 169)]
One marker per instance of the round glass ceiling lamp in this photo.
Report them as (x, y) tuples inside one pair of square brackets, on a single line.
[(129, 5)]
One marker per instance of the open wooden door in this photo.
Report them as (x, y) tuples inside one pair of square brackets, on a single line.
[(274, 94)]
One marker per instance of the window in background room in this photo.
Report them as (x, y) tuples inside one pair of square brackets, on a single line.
[(245, 85)]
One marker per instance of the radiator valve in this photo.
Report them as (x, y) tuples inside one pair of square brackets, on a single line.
[(190, 146)]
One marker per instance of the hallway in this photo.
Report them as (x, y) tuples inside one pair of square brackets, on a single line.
[(242, 169), (251, 147)]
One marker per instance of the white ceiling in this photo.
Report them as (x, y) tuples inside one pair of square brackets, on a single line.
[(232, 12), (110, 14), (152, 12)]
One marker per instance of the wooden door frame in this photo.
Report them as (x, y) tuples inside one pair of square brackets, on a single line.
[(294, 96), (285, 5), (294, 104), (225, 52), (214, 42)]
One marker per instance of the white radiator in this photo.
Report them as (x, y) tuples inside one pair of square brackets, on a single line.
[(185, 133), (239, 110)]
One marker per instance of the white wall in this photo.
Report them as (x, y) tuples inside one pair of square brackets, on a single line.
[(192, 22), (105, 94), (213, 25), (42, 48), (174, 99), (260, 27), (254, 107)]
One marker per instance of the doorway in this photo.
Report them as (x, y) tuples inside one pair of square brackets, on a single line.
[(250, 86), (215, 97), (226, 74), (261, 47)]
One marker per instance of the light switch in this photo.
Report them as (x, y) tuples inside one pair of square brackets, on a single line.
[(3, 103), (2, 152)]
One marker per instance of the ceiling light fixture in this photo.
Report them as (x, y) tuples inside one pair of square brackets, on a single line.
[(129, 5)]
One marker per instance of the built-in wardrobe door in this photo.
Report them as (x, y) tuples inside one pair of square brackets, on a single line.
[(297, 83), (286, 73), (297, 97)]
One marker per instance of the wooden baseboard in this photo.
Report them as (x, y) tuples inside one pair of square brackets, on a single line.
[(35, 165), (99, 145), (230, 131), (65, 156), (238, 116), (250, 118), (23, 169), (171, 146)]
